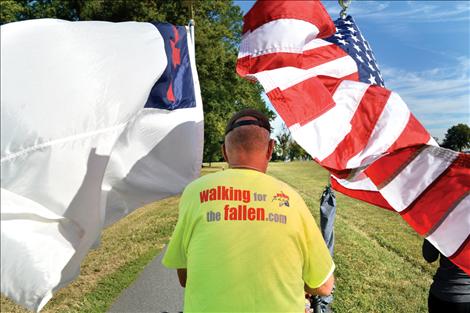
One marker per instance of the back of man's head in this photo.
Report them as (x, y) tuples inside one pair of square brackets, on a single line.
[(247, 142)]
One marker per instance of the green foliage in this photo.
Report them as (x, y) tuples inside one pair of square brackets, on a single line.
[(457, 137), (218, 32), (282, 145), (18, 10), (296, 152), (287, 149), (10, 11)]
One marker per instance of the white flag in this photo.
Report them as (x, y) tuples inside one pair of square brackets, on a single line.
[(97, 119)]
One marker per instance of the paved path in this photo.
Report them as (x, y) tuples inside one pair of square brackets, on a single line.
[(156, 290)]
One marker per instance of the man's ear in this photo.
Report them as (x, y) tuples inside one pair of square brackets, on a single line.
[(269, 153), (224, 153)]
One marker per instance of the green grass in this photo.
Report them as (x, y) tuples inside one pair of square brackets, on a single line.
[(109, 288), (377, 255)]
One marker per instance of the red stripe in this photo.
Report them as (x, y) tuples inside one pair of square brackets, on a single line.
[(301, 103), (363, 122), (175, 52), (440, 197), (341, 174), (387, 166), (462, 257), (332, 83), (306, 60), (169, 93), (413, 134), (266, 11), (372, 197)]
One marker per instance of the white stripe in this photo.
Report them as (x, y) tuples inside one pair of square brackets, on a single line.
[(388, 128), (359, 182), (286, 77), (316, 43), (432, 142), (417, 176), (277, 36), (454, 230), (321, 136)]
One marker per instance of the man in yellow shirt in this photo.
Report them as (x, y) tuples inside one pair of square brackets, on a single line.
[(244, 241)]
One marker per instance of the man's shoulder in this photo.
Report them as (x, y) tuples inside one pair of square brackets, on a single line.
[(281, 183), (206, 179), (284, 186)]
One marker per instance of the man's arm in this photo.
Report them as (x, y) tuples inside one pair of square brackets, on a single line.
[(182, 274), (323, 290)]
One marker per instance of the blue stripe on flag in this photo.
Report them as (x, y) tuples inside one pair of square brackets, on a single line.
[(175, 88)]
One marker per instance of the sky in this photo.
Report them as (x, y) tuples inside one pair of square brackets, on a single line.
[(423, 52)]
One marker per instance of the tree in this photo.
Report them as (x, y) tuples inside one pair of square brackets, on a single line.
[(10, 11), (287, 149), (282, 145), (218, 34), (296, 152), (457, 137)]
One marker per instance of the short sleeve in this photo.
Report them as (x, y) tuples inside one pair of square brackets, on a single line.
[(175, 255), (318, 264)]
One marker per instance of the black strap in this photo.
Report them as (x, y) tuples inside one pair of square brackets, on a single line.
[(245, 123)]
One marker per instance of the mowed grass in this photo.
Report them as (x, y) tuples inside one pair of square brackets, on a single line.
[(377, 255)]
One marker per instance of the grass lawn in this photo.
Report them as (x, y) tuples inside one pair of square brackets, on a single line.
[(379, 267)]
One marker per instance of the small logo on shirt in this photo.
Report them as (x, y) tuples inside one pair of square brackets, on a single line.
[(282, 199)]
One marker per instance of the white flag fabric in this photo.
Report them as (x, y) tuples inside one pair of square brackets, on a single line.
[(97, 119)]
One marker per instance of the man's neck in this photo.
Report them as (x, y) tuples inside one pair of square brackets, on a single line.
[(251, 167)]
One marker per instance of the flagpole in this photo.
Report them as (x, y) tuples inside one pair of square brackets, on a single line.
[(191, 27), (345, 5), (191, 30)]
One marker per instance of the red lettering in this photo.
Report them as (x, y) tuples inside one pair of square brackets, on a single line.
[(240, 212), (213, 194), (225, 193), (237, 196), (233, 214), (204, 195), (226, 212), (246, 196), (251, 214)]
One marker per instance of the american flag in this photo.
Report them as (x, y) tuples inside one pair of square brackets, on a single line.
[(349, 38), (329, 93)]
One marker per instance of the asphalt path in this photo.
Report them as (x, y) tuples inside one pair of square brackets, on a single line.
[(157, 290)]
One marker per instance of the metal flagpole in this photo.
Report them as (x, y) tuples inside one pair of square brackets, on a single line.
[(345, 5), (191, 25), (191, 30)]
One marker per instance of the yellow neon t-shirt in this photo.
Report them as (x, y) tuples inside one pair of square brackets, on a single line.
[(248, 242)]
